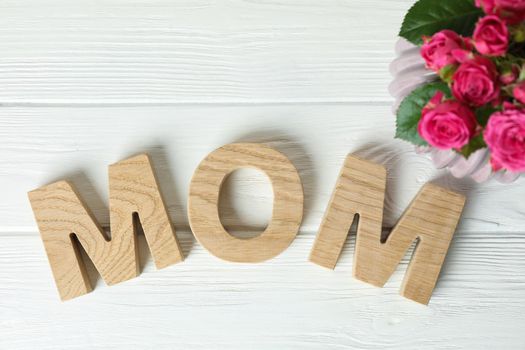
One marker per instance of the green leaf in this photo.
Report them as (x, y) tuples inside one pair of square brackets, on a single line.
[(483, 114), (409, 112), (428, 17), (475, 144)]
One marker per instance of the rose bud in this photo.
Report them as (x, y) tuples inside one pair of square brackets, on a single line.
[(476, 82), (437, 50), (447, 125), (487, 5), (491, 36), (519, 92), (505, 137), (509, 74), (512, 11), (508, 105)]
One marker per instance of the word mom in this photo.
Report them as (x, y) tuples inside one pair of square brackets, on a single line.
[(133, 191)]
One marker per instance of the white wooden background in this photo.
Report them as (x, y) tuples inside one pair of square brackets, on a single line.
[(86, 83)]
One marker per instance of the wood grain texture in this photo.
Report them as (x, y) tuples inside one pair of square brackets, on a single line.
[(135, 200), (360, 190), (87, 83), (431, 219), (63, 218), (198, 51), (286, 302), (203, 202), (37, 149)]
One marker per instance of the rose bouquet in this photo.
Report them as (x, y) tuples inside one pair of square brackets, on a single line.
[(472, 101)]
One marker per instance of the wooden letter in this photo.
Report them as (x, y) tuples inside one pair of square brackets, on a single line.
[(60, 214), (204, 198), (431, 219)]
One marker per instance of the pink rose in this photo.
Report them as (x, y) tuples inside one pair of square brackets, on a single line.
[(491, 36), (512, 11), (447, 124), (509, 75), (476, 82), (519, 92), (505, 137), (487, 5), (437, 50)]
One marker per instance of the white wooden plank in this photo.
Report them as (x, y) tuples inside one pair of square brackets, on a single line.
[(204, 303), (41, 145), (182, 77), (159, 51)]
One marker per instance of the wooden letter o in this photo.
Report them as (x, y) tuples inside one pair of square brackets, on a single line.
[(203, 209)]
